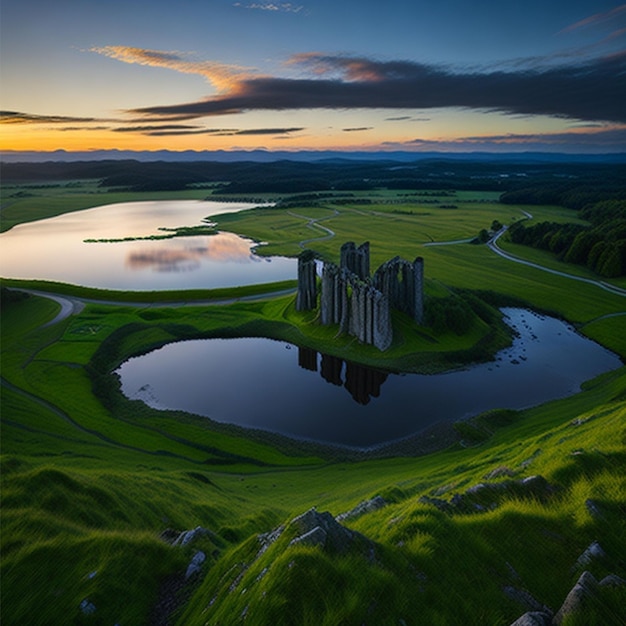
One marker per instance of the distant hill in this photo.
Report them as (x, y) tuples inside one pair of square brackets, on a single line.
[(266, 156)]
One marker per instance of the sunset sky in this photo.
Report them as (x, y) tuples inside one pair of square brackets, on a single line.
[(414, 75)]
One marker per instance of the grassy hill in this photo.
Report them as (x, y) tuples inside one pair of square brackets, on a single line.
[(95, 487)]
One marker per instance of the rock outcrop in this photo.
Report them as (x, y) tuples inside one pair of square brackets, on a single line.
[(321, 529), (486, 496), (367, 506), (583, 590), (533, 618)]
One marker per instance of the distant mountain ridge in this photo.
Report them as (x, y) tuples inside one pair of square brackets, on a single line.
[(267, 156)]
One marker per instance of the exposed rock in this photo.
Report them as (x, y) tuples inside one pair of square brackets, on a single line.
[(337, 536), (577, 597), (187, 536), (367, 506), (612, 580), (314, 538), (442, 505), (267, 539), (593, 552), (525, 599), (533, 618), (499, 472), (169, 535), (87, 607), (485, 496), (194, 566), (593, 508)]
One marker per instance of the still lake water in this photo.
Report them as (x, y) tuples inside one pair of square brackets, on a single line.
[(54, 249), (270, 385)]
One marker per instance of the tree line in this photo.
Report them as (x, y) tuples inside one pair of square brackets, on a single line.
[(600, 246)]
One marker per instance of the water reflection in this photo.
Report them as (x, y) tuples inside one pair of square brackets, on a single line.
[(174, 257), (55, 249), (362, 382)]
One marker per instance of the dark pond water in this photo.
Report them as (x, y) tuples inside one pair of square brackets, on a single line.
[(55, 249), (259, 383)]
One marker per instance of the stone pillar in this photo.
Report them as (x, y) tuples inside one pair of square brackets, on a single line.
[(306, 298), (383, 330), (362, 265), (344, 307), (347, 256), (326, 299), (418, 277)]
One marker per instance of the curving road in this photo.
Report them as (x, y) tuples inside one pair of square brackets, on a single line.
[(493, 245), (71, 305)]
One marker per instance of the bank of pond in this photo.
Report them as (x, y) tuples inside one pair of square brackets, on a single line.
[(275, 386)]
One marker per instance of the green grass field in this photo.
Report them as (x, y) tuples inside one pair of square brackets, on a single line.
[(90, 480)]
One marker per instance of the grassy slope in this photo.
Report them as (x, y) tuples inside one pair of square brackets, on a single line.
[(85, 491)]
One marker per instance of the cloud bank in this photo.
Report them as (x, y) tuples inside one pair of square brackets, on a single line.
[(590, 90)]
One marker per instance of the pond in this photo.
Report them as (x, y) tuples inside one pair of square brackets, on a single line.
[(55, 249), (269, 385)]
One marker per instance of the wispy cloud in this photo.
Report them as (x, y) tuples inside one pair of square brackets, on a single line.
[(597, 18), (220, 132), (222, 76), (354, 130), (154, 127), (407, 118), (16, 117), (587, 90), (283, 7)]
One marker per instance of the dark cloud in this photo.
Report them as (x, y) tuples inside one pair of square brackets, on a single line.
[(591, 90), (155, 127), (352, 130), (221, 132), (268, 131), (16, 117), (580, 139)]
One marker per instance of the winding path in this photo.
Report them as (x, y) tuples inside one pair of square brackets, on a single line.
[(312, 223), (71, 305)]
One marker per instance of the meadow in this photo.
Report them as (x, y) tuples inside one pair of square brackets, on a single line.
[(91, 480)]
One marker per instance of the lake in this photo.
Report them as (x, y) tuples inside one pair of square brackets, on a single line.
[(269, 385), (55, 249)]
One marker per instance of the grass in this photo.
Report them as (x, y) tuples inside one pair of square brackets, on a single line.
[(143, 297), (89, 481)]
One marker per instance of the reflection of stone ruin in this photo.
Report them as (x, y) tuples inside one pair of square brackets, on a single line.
[(363, 383), (361, 305)]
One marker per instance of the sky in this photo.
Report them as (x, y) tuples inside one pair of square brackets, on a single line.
[(349, 75)]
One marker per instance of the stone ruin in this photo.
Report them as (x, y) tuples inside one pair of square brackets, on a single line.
[(359, 304)]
